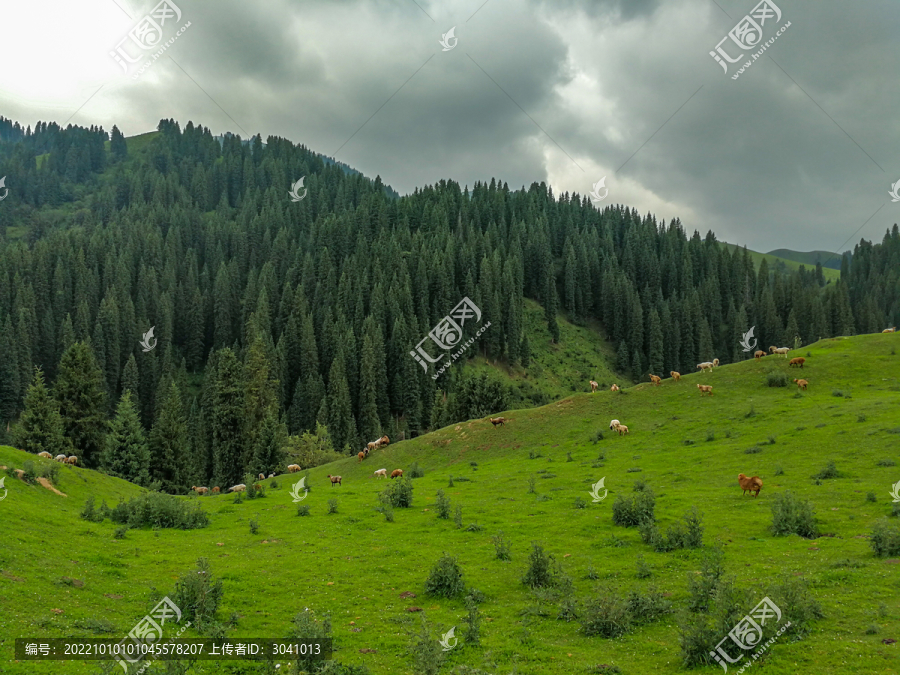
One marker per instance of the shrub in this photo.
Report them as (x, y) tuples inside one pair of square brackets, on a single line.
[(332, 506), (632, 512), (606, 669), (885, 539), (837, 392), (548, 475), (601, 456), (387, 511), (860, 418), (776, 378), (198, 595), (870, 496), (598, 436), (312, 449), (254, 524), (474, 527), (531, 482), (778, 470), (442, 505), (308, 626), (696, 637), (638, 486), (686, 535), (753, 451), (120, 532), (607, 616), (569, 457), (445, 579), (895, 509), (273, 483), (591, 573), (302, 509), (647, 607), (710, 436), (427, 656), (398, 493), (157, 509), (472, 632), (501, 547), (829, 471), (702, 587), (634, 469), (89, 513), (29, 475), (792, 516), (539, 573), (51, 472), (238, 498), (450, 482), (771, 440), (457, 517), (415, 471), (886, 462), (643, 569), (580, 503)]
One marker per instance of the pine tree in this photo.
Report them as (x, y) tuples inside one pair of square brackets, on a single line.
[(525, 352), (340, 425), (550, 305), (656, 343), (80, 390), (118, 148), (369, 424), (9, 372), (40, 428), (126, 454), (131, 380), (168, 440), (226, 420), (268, 455)]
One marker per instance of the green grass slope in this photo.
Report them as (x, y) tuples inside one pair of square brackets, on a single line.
[(776, 262), (809, 258), (354, 564)]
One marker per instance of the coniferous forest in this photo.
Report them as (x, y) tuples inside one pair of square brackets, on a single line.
[(288, 324)]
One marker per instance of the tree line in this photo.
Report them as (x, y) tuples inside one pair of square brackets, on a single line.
[(276, 318)]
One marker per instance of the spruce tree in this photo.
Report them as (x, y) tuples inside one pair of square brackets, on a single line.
[(40, 427), (268, 455), (168, 440), (126, 454), (226, 420), (9, 373), (340, 425), (550, 305), (369, 424), (80, 390)]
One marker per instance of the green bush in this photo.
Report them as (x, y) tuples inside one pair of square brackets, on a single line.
[(580, 503), (311, 449), (89, 512), (398, 493), (415, 471), (501, 547), (886, 462), (120, 532), (51, 472), (442, 505), (885, 539), (308, 626), (647, 607), (702, 587), (472, 632), (870, 496), (157, 509), (302, 509), (254, 525), (425, 650), (198, 595), (790, 515), (607, 616), (755, 450), (29, 475), (632, 512), (540, 572), (776, 378), (445, 579), (829, 471), (332, 506), (643, 569)]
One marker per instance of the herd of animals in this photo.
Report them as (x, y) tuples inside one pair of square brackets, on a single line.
[(751, 484)]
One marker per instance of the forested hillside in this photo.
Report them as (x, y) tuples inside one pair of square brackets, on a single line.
[(272, 315)]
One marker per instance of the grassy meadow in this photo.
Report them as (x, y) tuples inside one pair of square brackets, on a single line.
[(61, 575)]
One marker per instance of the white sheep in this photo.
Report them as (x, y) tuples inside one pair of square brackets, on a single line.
[(60, 458), (381, 473), (238, 488), (613, 424)]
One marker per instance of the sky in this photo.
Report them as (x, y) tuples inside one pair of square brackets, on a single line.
[(800, 150)]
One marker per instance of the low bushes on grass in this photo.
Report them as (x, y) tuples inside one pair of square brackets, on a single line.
[(607, 616), (501, 547), (415, 471), (89, 511), (156, 509), (198, 595), (632, 512), (830, 471), (701, 587), (254, 525), (776, 378), (302, 509), (398, 493), (755, 450), (886, 462), (790, 515), (540, 572), (688, 534), (445, 579), (442, 505), (885, 540), (647, 607)]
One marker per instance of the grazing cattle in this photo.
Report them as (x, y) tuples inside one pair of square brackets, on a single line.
[(758, 354), (799, 361), (889, 330), (396, 472), (801, 384), (45, 455), (675, 375), (335, 480), (613, 424), (655, 379), (705, 389), (498, 420), (706, 365), (615, 387), (200, 490), (594, 386), (216, 490), (750, 484), (73, 460), (381, 473), (238, 488), (60, 458), (293, 468)]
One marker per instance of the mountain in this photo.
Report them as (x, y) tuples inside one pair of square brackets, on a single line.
[(811, 258), (530, 480), (786, 265)]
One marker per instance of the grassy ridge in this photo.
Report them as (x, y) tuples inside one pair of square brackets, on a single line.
[(355, 565), (783, 264)]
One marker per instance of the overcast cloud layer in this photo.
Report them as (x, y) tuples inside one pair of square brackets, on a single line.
[(798, 152)]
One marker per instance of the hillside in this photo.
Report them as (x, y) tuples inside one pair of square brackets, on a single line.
[(809, 258), (60, 575), (785, 264)]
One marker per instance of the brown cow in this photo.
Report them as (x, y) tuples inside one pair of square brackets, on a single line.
[(498, 420)]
